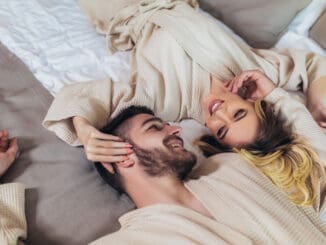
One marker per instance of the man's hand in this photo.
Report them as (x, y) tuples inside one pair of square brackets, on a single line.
[(316, 101), (100, 147), (8, 151), (251, 85)]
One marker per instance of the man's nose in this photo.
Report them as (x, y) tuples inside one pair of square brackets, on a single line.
[(174, 130)]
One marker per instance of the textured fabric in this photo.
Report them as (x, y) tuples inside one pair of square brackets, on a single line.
[(13, 227), (246, 206), (175, 48), (259, 22), (317, 32), (254, 20), (62, 187)]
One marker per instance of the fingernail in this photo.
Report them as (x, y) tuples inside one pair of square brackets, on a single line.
[(128, 145), (129, 151), (126, 158), (129, 162)]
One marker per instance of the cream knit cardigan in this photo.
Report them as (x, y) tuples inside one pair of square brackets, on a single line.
[(174, 49), (246, 206), (13, 227)]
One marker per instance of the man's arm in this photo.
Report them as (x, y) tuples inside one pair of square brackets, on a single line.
[(13, 227)]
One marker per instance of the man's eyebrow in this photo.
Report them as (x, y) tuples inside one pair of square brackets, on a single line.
[(152, 119)]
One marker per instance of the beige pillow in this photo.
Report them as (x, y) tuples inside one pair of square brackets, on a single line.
[(259, 22), (318, 31)]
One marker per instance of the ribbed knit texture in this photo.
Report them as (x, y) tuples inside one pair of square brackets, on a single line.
[(246, 205), (175, 48), (13, 226)]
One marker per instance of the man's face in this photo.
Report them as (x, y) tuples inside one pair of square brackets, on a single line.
[(159, 146)]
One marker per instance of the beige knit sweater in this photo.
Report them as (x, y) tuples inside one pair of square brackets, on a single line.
[(13, 227), (246, 206), (175, 48)]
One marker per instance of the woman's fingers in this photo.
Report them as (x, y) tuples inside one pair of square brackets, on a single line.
[(109, 151), (99, 135), (108, 159), (252, 85), (108, 143)]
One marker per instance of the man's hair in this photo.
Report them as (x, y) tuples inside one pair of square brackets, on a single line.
[(114, 180)]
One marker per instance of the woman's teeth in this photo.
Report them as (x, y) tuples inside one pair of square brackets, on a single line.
[(215, 107)]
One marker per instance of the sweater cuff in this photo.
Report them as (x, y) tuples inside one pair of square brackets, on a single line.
[(275, 95), (12, 211)]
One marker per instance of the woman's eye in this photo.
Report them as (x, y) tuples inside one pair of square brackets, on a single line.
[(220, 132), (239, 114)]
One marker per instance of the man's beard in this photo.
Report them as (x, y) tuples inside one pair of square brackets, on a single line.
[(168, 161)]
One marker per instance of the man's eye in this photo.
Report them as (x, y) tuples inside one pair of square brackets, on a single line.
[(239, 114), (156, 127)]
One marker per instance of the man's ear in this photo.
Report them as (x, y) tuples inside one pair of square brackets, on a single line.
[(129, 162)]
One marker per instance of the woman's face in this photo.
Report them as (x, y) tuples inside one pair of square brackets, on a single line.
[(232, 119)]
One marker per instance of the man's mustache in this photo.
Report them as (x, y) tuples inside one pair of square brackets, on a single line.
[(170, 138)]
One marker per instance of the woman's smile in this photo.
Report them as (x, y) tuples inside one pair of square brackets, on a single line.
[(214, 105)]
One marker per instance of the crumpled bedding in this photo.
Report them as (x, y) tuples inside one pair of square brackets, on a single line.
[(59, 46)]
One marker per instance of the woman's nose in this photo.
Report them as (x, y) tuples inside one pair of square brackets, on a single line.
[(223, 116)]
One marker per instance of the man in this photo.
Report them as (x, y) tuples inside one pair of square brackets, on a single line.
[(234, 204), (13, 227)]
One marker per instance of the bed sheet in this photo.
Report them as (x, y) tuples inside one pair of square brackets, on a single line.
[(297, 34)]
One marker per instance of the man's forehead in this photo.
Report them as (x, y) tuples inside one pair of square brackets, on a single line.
[(142, 120)]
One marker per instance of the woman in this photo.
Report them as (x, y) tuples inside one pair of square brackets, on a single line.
[(177, 70), (288, 148)]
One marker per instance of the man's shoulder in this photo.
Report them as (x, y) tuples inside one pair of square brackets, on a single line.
[(219, 164)]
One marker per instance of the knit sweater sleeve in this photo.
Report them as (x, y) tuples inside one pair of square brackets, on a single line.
[(96, 101), (301, 120), (13, 227)]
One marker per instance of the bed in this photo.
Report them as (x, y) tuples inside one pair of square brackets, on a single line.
[(53, 44)]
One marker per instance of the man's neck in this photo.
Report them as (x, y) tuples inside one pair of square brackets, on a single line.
[(163, 190), (153, 190)]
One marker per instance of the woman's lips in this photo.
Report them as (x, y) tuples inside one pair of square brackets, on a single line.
[(214, 106)]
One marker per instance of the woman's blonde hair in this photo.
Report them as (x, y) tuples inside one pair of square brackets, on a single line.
[(285, 158)]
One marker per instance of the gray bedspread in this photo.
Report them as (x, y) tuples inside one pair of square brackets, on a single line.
[(66, 201)]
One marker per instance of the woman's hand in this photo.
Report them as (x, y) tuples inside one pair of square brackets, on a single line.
[(8, 151), (100, 147), (251, 85), (316, 101)]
